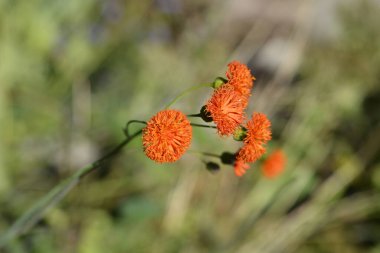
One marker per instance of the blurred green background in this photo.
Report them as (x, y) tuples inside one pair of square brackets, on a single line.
[(73, 72)]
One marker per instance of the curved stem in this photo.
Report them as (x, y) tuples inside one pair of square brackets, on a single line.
[(35, 213), (126, 129), (185, 92)]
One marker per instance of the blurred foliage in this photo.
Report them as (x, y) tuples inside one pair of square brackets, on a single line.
[(73, 72)]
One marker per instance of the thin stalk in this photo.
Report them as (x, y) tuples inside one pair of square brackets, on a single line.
[(185, 92), (200, 125), (195, 115), (36, 212), (126, 129)]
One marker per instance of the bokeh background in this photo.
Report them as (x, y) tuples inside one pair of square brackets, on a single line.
[(73, 72)]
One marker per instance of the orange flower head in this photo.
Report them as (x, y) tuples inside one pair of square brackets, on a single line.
[(258, 134), (240, 167), (258, 129), (240, 77), (274, 164), (251, 152), (167, 136), (226, 108)]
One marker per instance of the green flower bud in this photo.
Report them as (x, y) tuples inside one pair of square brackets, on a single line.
[(218, 82), (240, 133)]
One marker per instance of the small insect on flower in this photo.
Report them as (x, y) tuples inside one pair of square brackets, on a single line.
[(274, 165), (167, 136), (226, 108), (240, 77)]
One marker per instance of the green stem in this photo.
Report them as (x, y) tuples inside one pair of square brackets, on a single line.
[(200, 125), (126, 129), (195, 115), (185, 92), (36, 212)]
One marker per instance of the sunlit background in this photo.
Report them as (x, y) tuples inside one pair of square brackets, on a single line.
[(73, 72)]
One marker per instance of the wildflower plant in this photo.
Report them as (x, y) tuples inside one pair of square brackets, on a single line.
[(167, 136)]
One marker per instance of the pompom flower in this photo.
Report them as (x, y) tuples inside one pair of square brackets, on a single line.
[(274, 164), (240, 167), (251, 152), (258, 129), (167, 136), (240, 77), (226, 107), (258, 134)]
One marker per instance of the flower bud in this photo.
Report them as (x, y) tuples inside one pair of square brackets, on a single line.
[(240, 133), (227, 158), (212, 167), (218, 82), (205, 115)]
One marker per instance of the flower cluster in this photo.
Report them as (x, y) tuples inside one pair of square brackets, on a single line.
[(167, 135), (227, 104), (226, 108)]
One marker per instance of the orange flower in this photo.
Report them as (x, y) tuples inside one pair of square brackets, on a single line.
[(226, 107), (251, 152), (258, 129), (240, 167), (258, 134), (274, 164), (239, 76), (167, 136)]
